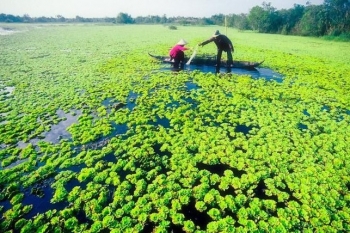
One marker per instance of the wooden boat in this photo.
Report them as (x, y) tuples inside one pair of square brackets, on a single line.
[(210, 61)]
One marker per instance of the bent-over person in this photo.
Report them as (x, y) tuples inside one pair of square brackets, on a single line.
[(223, 43)]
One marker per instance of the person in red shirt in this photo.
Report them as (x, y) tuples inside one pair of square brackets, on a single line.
[(223, 43), (177, 54)]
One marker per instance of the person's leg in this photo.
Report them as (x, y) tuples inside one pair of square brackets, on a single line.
[(176, 63), (218, 60), (179, 58), (182, 59), (229, 61)]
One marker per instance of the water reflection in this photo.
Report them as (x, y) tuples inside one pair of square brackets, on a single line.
[(57, 132)]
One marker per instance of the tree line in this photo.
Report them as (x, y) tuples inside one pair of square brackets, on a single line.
[(330, 18)]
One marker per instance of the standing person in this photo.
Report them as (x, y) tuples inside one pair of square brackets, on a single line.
[(177, 54), (223, 43)]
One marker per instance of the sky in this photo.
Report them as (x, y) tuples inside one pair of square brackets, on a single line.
[(111, 8)]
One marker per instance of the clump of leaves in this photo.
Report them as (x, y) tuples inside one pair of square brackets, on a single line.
[(172, 27)]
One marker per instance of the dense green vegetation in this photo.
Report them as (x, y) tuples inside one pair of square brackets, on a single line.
[(158, 151), (331, 19)]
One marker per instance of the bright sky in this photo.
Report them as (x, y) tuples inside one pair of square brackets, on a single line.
[(111, 8)]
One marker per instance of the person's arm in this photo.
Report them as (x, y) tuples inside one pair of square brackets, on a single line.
[(207, 41), (231, 47), (229, 42)]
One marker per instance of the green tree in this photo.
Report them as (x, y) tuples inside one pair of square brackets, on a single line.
[(27, 18), (124, 18), (338, 12), (205, 21), (60, 18), (290, 18), (265, 19), (257, 18), (163, 19), (313, 22), (241, 22), (218, 19)]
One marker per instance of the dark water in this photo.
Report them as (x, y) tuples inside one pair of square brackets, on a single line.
[(243, 129), (41, 203), (255, 73), (113, 103), (58, 131)]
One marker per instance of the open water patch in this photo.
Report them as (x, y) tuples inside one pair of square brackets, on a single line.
[(200, 219), (243, 129), (39, 196), (7, 91), (165, 122), (131, 99), (112, 103), (302, 126), (306, 113), (220, 169), (191, 86), (57, 132), (55, 135), (255, 73)]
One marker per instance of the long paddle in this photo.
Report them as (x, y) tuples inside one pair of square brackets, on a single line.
[(193, 55)]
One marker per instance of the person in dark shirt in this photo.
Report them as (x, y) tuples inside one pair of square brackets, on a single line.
[(223, 43)]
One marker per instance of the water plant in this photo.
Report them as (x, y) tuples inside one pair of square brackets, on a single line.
[(155, 150)]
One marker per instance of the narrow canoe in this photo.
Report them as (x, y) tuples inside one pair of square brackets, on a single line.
[(210, 61)]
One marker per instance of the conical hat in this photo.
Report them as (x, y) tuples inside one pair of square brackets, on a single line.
[(182, 42)]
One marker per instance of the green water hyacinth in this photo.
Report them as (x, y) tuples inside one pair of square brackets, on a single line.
[(140, 148)]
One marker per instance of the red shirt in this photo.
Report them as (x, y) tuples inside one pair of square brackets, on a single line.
[(176, 49)]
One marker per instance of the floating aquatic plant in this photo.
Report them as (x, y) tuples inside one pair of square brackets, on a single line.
[(151, 147)]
